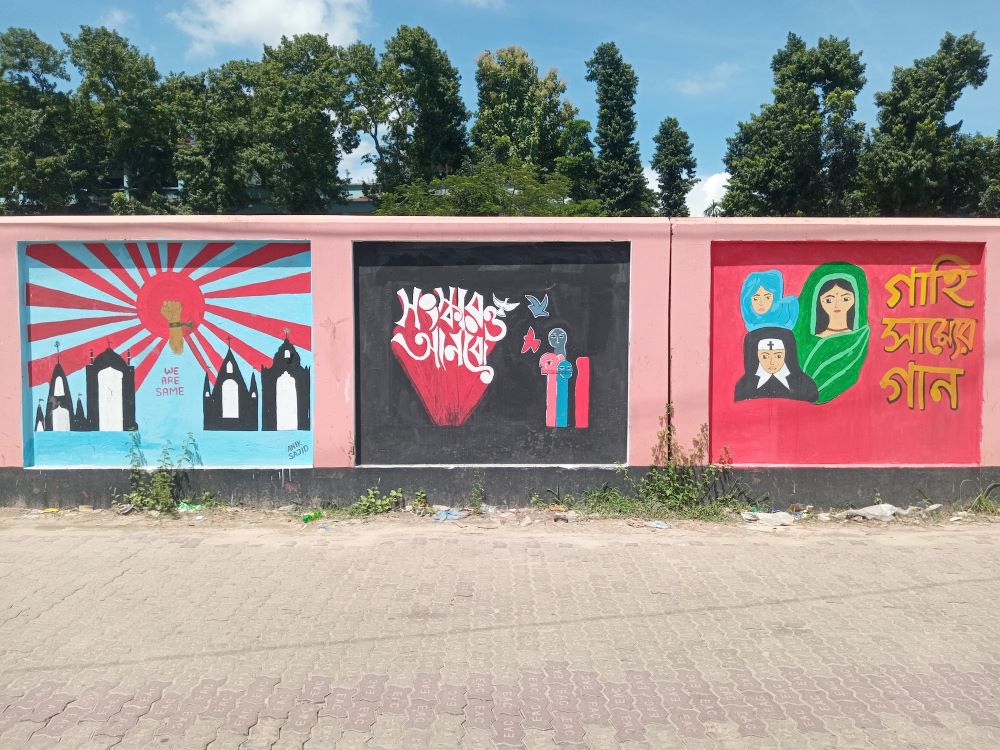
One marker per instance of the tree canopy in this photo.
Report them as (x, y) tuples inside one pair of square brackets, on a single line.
[(90, 125)]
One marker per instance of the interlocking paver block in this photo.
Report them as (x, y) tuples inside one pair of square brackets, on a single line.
[(479, 714)]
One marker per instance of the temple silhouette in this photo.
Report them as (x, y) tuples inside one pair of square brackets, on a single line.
[(284, 402), (110, 382)]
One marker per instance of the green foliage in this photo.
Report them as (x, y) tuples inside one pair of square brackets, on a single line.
[(987, 500), (477, 495), (121, 118), (486, 188), (374, 503), (915, 163), (621, 185), (798, 156), (163, 488), (683, 483), (522, 115), (300, 123), (409, 103), (39, 171), (675, 168)]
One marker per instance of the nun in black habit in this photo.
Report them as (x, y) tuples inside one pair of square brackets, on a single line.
[(771, 367)]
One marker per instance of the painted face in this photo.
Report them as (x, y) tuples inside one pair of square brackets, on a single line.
[(771, 360), (549, 363), (762, 301), (557, 340), (837, 301), (565, 370)]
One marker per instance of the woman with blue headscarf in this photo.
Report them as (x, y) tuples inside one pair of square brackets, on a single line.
[(762, 304)]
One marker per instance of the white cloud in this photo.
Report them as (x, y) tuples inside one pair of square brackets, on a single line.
[(705, 191), (213, 23), (716, 79), (353, 165), (115, 18)]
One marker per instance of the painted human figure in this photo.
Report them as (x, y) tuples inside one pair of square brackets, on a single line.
[(763, 304), (835, 308), (548, 364), (558, 340), (771, 368), (564, 371)]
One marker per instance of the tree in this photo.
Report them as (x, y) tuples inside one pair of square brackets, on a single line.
[(301, 124), (576, 161), (409, 104), (487, 188), (123, 126), (620, 181), (799, 154), (915, 163), (521, 114), (674, 166), (37, 169), (213, 159)]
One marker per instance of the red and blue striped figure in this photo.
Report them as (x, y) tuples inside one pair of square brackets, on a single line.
[(549, 365), (564, 372)]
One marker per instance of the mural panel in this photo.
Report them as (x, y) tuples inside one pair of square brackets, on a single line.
[(852, 352), (499, 353), (167, 339)]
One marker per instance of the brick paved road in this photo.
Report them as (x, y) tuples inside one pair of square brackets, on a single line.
[(130, 633)]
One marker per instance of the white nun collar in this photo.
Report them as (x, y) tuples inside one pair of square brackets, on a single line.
[(781, 376)]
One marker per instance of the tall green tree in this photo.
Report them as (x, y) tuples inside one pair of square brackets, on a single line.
[(799, 154), (621, 185), (408, 101), (123, 124), (215, 148), (301, 123), (522, 115), (577, 162), (38, 173), (674, 166), (916, 163)]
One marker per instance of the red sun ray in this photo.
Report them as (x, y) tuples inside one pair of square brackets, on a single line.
[(72, 359), (42, 296), (173, 250), (55, 257), (298, 284), (269, 253), (256, 359), (40, 331), (213, 356), (142, 345), (136, 254), (204, 255), (143, 368), (201, 359), (103, 254), (298, 334), (154, 253)]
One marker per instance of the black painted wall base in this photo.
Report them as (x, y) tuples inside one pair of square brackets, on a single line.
[(822, 487)]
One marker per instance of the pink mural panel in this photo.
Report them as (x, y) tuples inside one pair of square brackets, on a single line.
[(857, 353)]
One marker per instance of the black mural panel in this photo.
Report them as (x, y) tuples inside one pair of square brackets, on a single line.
[(492, 353)]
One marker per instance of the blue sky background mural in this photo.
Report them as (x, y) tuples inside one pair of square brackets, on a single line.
[(170, 313)]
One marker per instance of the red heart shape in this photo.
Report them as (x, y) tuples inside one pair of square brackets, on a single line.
[(443, 342)]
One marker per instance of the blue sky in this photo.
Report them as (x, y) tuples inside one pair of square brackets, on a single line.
[(704, 63)]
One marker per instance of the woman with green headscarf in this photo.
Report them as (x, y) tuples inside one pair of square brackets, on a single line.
[(832, 327)]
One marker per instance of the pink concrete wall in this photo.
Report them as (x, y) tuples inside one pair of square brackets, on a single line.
[(690, 335), (333, 304), (660, 248)]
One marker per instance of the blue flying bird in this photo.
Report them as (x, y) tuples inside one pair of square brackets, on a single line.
[(538, 309)]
